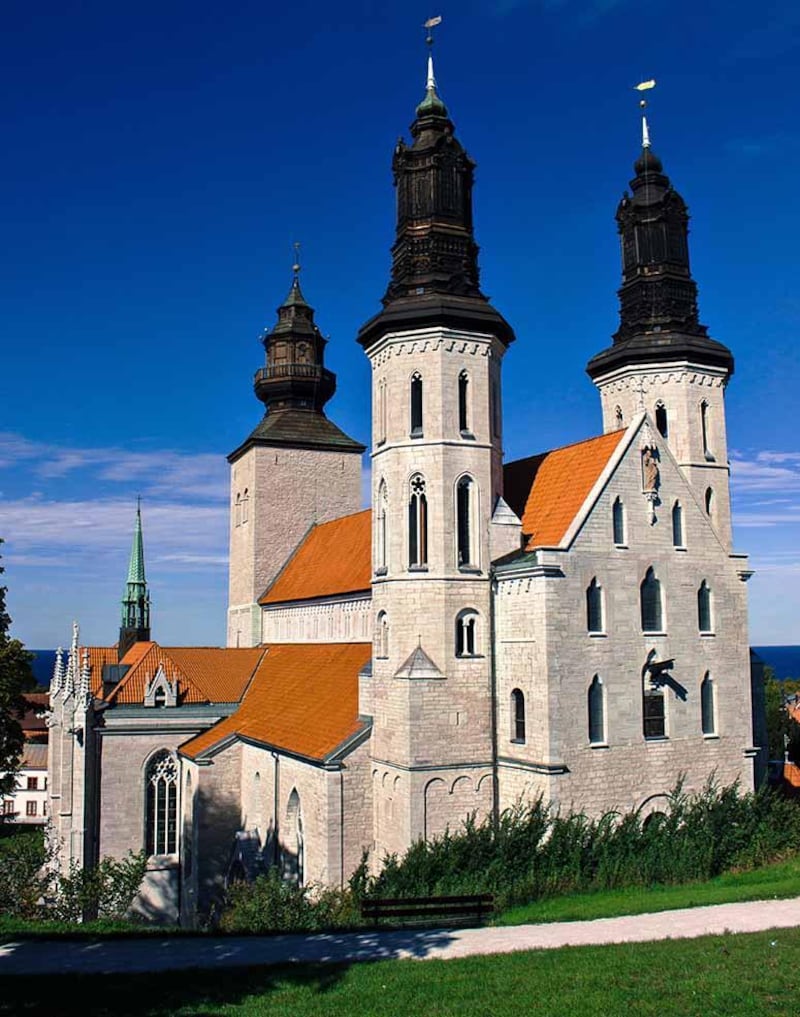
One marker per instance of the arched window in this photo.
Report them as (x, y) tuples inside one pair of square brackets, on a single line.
[(417, 523), (416, 405), (245, 506), (597, 719), (161, 804), (677, 525), (381, 421), (650, 596), (654, 716), (382, 635), (618, 417), (463, 402), (618, 522), (237, 510), (465, 493), (517, 716), (704, 415), (709, 502), (594, 606), (662, 423), (467, 633), (707, 720), (293, 844), (381, 534), (704, 620)]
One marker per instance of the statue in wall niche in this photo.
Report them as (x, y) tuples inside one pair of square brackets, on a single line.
[(650, 473)]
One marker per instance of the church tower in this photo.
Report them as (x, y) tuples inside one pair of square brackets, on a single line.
[(297, 467), (135, 623), (662, 359), (435, 351)]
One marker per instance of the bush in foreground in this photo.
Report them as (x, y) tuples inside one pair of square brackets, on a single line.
[(532, 853)]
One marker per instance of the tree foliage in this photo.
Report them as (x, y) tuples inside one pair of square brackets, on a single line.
[(16, 678), (779, 723)]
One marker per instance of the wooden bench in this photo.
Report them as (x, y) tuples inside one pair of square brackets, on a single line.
[(429, 910)]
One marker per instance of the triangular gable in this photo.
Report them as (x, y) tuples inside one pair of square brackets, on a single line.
[(204, 674), (418, 665), (549, 491)]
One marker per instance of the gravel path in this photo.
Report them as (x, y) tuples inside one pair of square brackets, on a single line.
[(59, 956)]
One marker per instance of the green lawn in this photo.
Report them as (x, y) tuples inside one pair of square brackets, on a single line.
[(781, 879), (756, 974)]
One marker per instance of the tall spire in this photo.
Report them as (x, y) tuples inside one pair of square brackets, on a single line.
[(659, 319), (435, 277), (135, 621)]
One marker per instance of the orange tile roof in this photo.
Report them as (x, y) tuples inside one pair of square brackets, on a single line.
[(334, 558), (205, 674), (98, 656), (791, 774), (548, 490), (303, 699)]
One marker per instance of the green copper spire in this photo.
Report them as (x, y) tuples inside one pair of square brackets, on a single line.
[(135, 622), (431, 105)]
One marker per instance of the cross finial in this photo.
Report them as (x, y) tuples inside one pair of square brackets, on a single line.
[(645, 86)]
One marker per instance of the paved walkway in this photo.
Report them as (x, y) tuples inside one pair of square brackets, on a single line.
[(156, 954)]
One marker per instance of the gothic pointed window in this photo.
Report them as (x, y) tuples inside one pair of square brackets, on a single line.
[(381, 530), (517, 716), (465, 494), (596, 711), (707, 710), (245, 506), (704, 422), (463, 403), (417, 523), (467, 633), (237, 510), (382, 635), (662, 424), (650, 596), (380, 420), (677, 525), (293, 853), (161, 804), (594, 607), (416, 405), (618, 522), (704, 619)]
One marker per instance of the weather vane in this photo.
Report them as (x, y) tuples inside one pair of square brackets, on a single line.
[(645, 86), (429, 26)]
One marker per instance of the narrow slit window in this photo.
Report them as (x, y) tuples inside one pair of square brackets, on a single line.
[(677, 525), (594, 607), (416, 405), (655, 719), (517, 716), (618, 522), (596, 706), (704, 619), (650, 596), (463, 402), (709, 501), (662, 424), (704, 415), (464, 492), (707, 719)]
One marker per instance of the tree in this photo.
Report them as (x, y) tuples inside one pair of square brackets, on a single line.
[(16, 678), (779, 723)]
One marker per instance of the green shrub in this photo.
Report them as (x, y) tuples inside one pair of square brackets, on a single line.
[(271, 904), (104, 891), (24, 881)]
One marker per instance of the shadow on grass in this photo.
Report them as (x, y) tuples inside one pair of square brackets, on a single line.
[(164, 976)]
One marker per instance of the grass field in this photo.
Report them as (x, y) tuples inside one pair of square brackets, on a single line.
[(781, 879), (756, 974)]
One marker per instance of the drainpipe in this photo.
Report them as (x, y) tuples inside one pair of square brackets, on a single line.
[(341, 821), (493, 688)]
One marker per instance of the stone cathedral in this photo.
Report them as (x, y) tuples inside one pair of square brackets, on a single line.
[(572, 624)]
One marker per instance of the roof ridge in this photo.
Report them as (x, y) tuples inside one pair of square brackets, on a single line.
[(562, 448)]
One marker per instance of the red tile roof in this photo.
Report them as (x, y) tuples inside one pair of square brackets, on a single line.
[(334, 558), (548, 490), (303, 699), (33, 720), (205, 674)]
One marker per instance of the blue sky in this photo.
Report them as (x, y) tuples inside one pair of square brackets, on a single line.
[(159, 160)]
